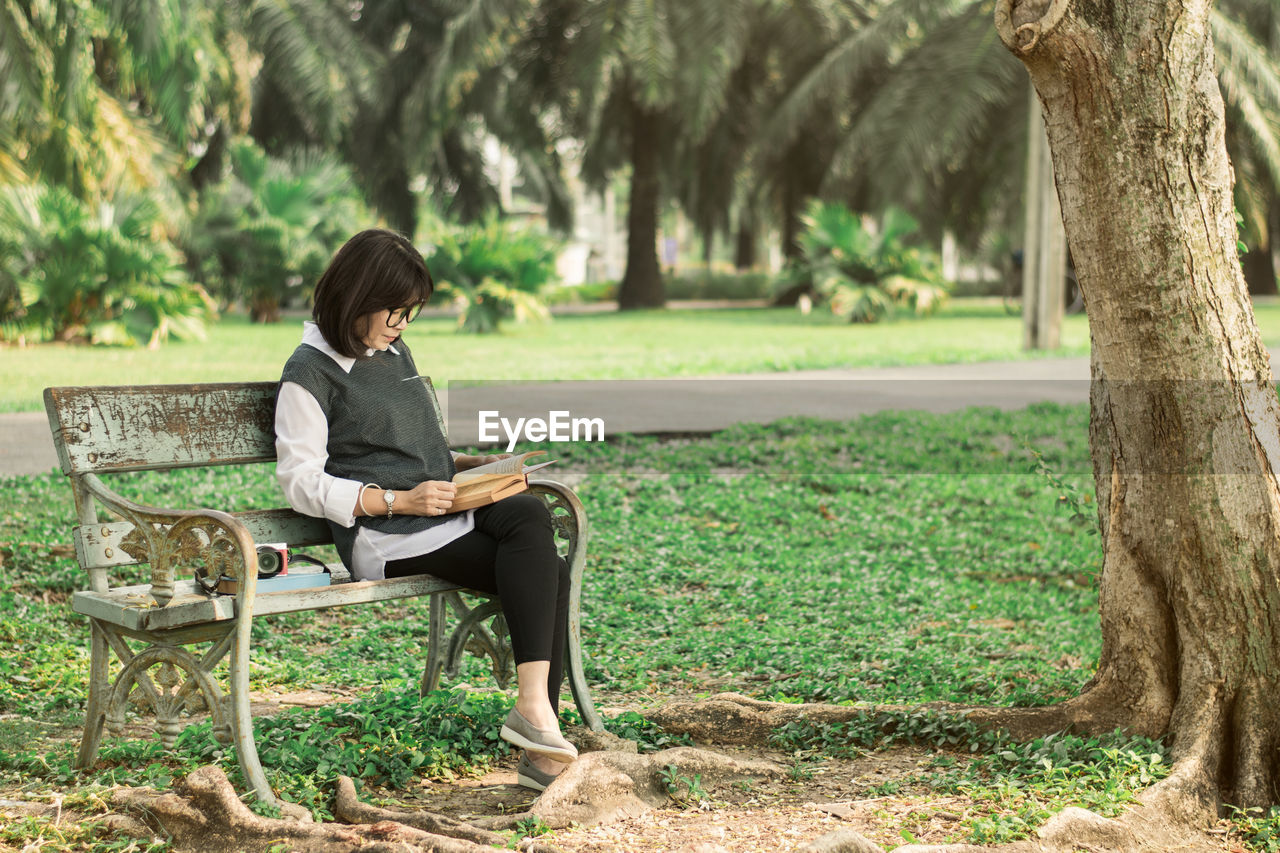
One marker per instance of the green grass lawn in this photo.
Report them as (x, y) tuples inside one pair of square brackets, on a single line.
[(895, 558), (641, 344), (900, 557)]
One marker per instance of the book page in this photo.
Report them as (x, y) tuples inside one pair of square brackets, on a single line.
[(511, 465)]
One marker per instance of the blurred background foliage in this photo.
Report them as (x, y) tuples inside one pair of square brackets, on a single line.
[(491, 270), (177, 155)]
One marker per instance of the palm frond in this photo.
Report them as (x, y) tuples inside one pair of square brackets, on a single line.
[(299, 43), (476, 34), (712, 39), (918, 120), (24, 61), (1250, 82), (649, 50), (133, 154), (846, 66)]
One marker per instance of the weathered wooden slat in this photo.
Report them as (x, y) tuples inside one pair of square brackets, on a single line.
[(98, 545), (131, 607), (139, 428), (152, 427)]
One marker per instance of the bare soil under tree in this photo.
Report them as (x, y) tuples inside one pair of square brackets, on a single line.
[(752, 799)]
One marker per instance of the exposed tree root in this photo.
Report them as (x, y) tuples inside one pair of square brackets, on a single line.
[(731, 718), (606, 786), (1104, 706), (1070, 831), (1167, 819), (205, 814), (349, 809), (842, 841)]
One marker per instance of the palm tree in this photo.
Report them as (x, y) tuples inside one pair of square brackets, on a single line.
[(100, 98), (933, 111), (1246, 37), (407, 90), (272, 225), (727, 183), (636, 83)]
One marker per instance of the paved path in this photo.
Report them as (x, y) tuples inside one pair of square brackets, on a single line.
[(702, 404)]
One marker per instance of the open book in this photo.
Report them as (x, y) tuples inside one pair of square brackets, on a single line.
[(491, 483)]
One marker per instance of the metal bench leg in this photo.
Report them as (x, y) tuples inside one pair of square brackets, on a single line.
[(435, 646), (242, 719), (96, 706), (573, 651)]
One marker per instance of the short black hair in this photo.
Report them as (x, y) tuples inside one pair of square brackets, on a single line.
[(375, 270)]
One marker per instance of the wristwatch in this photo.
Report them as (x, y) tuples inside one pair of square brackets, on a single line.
[(390, 497)]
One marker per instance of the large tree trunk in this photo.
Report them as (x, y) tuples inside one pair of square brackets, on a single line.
[(1044, 254), (744, 249), (1184, 423), (791, 225), (641, 285)]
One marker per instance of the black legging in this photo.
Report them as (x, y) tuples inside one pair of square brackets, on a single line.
[(511, 552)]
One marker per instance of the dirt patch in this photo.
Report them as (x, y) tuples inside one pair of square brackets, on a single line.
[(872, 794), (760, 814), (769, 815)]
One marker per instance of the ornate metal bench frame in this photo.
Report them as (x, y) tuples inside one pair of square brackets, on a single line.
[(135, 428)]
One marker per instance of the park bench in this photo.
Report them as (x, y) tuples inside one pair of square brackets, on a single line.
[(183, 631)]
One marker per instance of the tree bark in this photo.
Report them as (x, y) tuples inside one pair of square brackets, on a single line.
[(792, 199), (1044, 258), (641, 285), (1184, 426), (744, 251)]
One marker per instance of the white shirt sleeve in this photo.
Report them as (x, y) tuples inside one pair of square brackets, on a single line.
[(302, 449)]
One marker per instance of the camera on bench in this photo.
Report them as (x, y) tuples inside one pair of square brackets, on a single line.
[(272, 560)]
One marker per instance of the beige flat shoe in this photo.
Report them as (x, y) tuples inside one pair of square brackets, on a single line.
[(524, 734)]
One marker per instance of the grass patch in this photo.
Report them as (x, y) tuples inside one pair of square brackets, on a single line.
[(635, 344), (1258, 829), (895, 558), (759, 559), (1011, 787)]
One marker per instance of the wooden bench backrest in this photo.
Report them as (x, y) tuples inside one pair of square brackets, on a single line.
[(113, 429), (156, 427)]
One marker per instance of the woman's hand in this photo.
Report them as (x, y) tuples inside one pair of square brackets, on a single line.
[(434, 497)]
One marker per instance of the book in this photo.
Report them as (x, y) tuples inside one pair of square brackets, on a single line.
[(491, 483), (299, 577)]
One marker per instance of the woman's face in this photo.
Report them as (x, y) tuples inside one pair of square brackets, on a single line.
[(379, 330)]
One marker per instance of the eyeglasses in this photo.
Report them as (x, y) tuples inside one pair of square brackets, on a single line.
[(407, 315)]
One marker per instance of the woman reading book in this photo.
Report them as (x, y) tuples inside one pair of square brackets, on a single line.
[(358, 445)]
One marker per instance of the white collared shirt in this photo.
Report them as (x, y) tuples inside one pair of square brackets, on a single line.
[(302, 442)]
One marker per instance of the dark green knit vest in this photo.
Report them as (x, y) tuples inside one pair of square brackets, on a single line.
[(382, 429)]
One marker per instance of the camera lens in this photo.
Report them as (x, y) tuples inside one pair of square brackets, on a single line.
[(269, 563)]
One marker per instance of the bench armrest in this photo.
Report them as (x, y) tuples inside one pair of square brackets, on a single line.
[(168, 537), (569, 519)]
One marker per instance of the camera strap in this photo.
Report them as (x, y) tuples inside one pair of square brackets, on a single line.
[(207, 584)]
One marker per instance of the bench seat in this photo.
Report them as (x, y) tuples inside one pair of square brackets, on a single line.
[(133, 608), (155, 647)]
